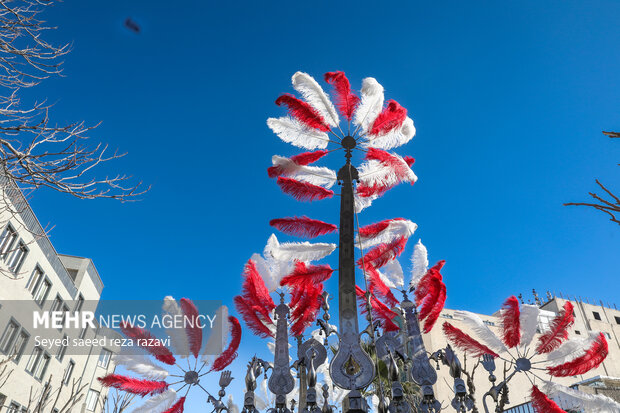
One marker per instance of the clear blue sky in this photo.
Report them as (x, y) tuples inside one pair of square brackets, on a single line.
[(509, 100)]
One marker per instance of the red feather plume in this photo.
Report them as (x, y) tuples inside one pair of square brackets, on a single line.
[(230, 353), (424, 285), (593, 357), (303, 112), (249, 313), (307, 308), (410, 161), (383, 253), (511, 324), (300, 159), (307, 274), (148, 342), (193, 329), (134, 386), (255, 291), (465, 342), (558, 332), (346, 101), (303, 226), (366, 191), (378, 287), (303, 191), (380, 311), (400, 167), (390, 118), (178, 407), (434, 313), (307, 158), (542, 403), (375, 229)]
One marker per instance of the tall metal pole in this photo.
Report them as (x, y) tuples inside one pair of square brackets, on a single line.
[(351, 368)]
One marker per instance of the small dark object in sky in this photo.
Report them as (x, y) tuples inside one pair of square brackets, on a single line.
[(132, 25)]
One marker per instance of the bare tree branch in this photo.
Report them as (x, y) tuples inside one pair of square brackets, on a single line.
[(609, 206)]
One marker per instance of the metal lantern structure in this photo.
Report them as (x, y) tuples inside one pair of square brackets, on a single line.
[(395, 327)]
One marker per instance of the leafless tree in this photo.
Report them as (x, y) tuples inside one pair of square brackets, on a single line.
[(116, 402), (611, 205), (35, 151)]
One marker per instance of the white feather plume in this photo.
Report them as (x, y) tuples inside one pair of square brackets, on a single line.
[(419, 264), (392, 274), (178, 336), (375, 172), (481, 331), (313, 93), (159, 403), (371, 103), (576, 400), (141, 365), (270, 269), (571, 349), (394, 138), (302, 251), (395, 229), (528, 319), (362, 203), (316, 175), (218, 337), (297, 134)]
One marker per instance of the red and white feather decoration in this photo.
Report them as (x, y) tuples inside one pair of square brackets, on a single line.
[(419, 264), (134, 386), (558, 331), (178, 407), (380, 311), (378, 287), (303, 112), (313, 93), (392, 116), (230, 353), (302, 251), (193, 327), (371, 104), (303, 191), (297, 134), (305, 302), (392, 139), (149, 343), (306, 158), (542, 403), (303, 226), (385, 231), (592, 358), (252, 317), (511, 322), (424, 285), (382, 253), (307, 274), (315, 175), (465, 342), (435, 306), (346, 101), (254, 289)]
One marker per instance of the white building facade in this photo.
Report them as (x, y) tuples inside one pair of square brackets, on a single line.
[(33, 277)]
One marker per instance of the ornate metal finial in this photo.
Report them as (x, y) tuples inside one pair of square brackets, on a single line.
[(536, 298), (521, 298)]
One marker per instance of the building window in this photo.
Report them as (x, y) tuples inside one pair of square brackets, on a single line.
[(63, 348), (20, 345), (597, 316), (79, 304), (56, 305), (104, 358), (67, 377), (7, 239), (617, 319), (35, 280), (489, 323), (91, 400), (8, 337), (578, 332), (13, 408), (2, 400), (18, 257), (38, 363), (608, 336), (40, 295)]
